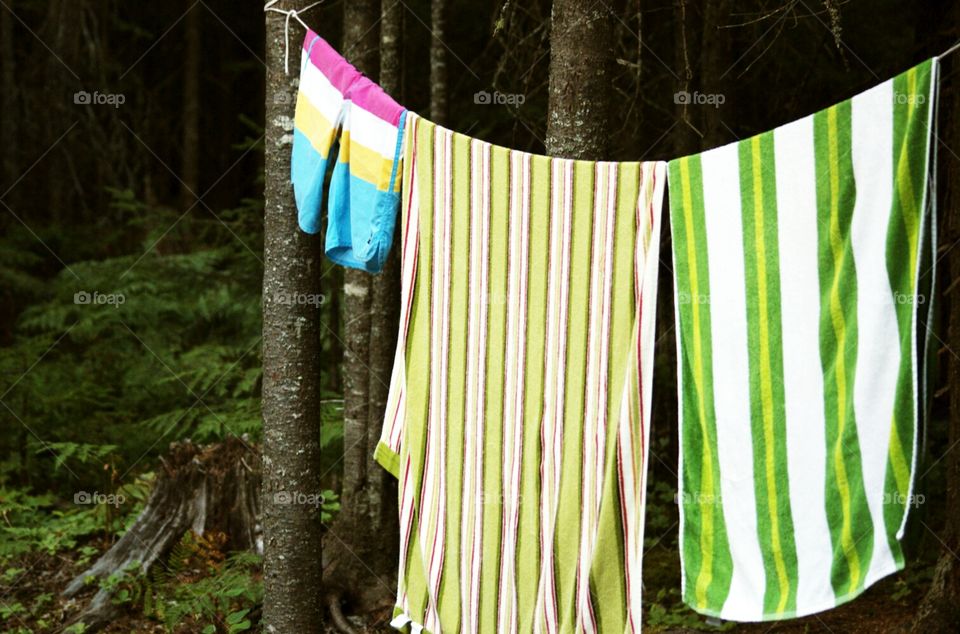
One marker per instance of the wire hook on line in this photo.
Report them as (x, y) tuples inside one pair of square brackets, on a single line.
[(289, 13)]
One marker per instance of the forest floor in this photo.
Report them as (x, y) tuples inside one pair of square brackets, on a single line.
[(888, 606), (201, 587)]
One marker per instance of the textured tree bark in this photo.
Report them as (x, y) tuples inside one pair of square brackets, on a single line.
[(361, 47), (190, 187), (686, 135), (9, 124), (717, 77), (60, 33), (438, 62), (8, 103), (581, 57), (382, 515), (391, 39), (291, 371), (360, 545), (940, 609)]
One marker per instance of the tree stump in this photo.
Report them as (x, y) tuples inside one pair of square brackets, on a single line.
[(199, 488)]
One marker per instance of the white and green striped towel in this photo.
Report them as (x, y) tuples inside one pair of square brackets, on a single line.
[(798, 254)]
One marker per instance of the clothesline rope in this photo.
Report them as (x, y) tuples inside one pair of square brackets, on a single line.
[(289, 13), (293, 13), (950, 50)]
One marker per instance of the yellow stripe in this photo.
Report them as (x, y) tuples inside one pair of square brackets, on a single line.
[(904, 181), (766, 382), (839, 328), (901, 471), (365, 163), (311, 122), (706, 533)]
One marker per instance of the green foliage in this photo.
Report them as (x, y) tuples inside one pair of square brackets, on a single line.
[(197, 588), (668, 612), (331, 435), (120, 356), (202, 587), (38, 523), (915, 579), (18, 262), (81, 453), (13, 613), (116, 352), (330, 506)]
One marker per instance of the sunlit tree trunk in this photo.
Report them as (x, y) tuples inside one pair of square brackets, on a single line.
[(362, 542), (291, 373)]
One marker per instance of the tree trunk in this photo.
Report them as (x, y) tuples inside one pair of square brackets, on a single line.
[(385, 303), (361, 545), (716, 75), (391, 58), (61, 32), (190, 187), (940, 609), (291, 371), (382, 512), (8, 103), (686, 135), (9, 121), (578, 117), (438, 62)]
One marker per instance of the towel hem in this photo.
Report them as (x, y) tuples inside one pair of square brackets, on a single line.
[(388, 459), (850, 596), (402, 622)]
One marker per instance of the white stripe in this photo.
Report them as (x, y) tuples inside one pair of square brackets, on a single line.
[(631, 509), (484, 155), (561, 374), (552, 429), (655, 181), (599, 257), (365, 127), (878, 355), (681, 410), (470, 494), (727, 304), (370, 131), (410, 244), (802, 369), (626, 448), (435, 472), (541, 612), (928, 242), (317, 89), (507, 597), (652, 188), (406, 530)]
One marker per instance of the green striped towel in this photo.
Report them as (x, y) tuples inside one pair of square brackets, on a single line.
[(797, 257), (518, 416)]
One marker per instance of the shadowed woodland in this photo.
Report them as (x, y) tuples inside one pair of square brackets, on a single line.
[(191, 393)]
